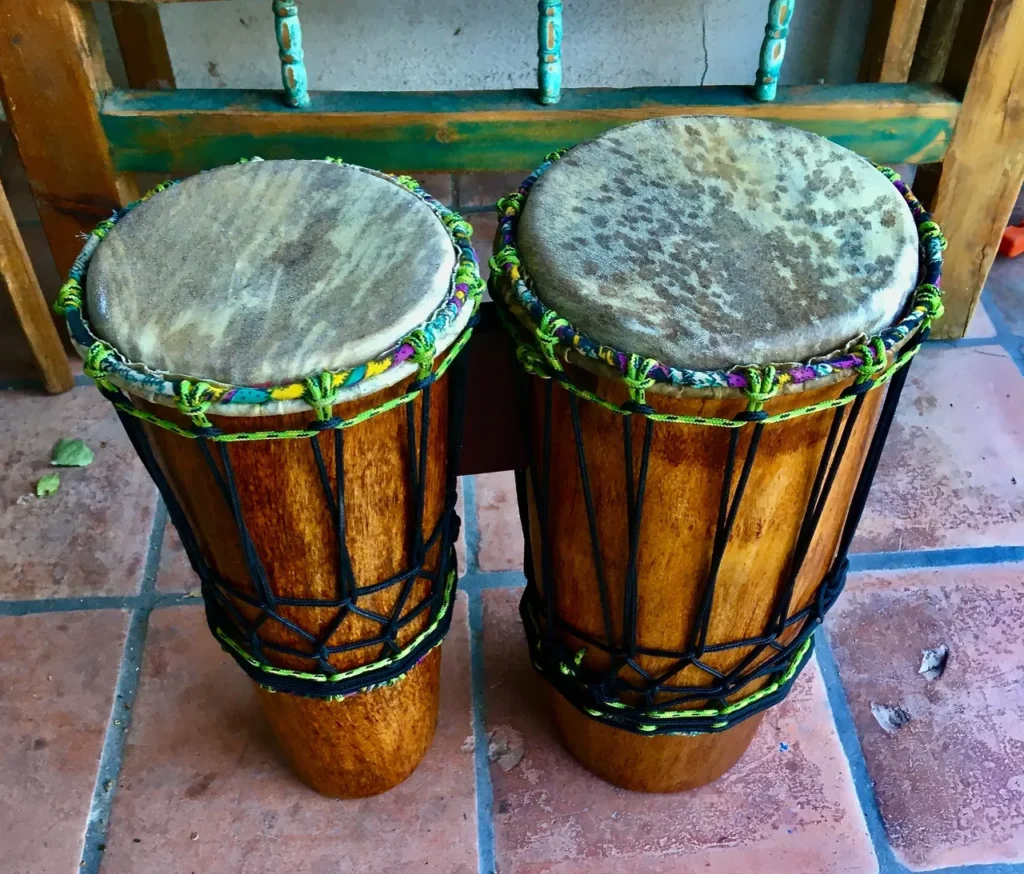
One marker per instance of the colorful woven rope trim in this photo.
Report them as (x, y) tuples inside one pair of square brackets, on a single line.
[(193, 397), (510, 282), (322, 403), (874, 371)]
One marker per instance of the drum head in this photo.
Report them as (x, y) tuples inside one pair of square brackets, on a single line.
[(708, 242), (269, 271)]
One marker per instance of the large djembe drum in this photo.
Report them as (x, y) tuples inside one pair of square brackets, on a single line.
[(280, 339), (716, 316)]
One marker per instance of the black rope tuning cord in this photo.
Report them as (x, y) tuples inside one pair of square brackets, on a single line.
[(624, 694), (239, 615)]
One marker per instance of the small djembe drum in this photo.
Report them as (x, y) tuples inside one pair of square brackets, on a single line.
[(709, 309), (275, 336)]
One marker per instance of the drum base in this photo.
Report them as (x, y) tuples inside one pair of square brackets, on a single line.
[(649, 764), (363, 745)]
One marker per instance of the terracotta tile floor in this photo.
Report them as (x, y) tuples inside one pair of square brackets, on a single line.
[(129, 743), (950, 783), (154, 756)]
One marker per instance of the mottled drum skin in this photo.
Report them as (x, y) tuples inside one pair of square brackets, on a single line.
[(269, 271), (711, 242), (276, 270), (713, 287)]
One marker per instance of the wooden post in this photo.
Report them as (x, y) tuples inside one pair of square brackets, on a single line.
[(983, 168), (140, 36), (54, 76), (935, 40), (29, 304), (892, 38)]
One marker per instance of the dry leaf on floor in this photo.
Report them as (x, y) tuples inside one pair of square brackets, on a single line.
[(505, 746), (933, 662), (891, 719)]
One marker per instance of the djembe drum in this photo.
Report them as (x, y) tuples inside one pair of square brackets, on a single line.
[(709, 309), (275, 336)]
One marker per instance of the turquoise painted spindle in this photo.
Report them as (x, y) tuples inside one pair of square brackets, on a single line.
[(289, 43), (549, 50), (773, 49)]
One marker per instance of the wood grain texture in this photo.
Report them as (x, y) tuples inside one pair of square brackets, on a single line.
[(140, 36), (982, 171), (53, 78), (938, 29), (650, 764), (33, 314), (892, 38), (684, 481), (372, 741), (187, 131)]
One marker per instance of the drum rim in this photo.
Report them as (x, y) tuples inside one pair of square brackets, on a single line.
[(442, 330), (514, 287)]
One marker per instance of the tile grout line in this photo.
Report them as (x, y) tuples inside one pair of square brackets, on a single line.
[(484, 793), (474, 580), (127, 684), (842, 719), (481, 762), (960, 556), (69, 605), (1011, 342), (470, 526)]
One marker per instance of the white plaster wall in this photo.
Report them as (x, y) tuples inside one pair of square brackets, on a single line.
[(380, 45)]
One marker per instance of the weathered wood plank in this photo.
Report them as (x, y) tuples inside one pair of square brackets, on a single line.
[(982, 172), (938, 29), (892, 38), (53, 75), (140, 36), (186, 131), (33, 314)]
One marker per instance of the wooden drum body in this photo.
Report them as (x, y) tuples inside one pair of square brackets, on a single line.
[(309, 459), (368, 742), (686, 529), (684, 480)]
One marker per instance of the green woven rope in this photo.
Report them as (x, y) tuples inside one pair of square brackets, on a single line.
[(753, 698), (321, 395)]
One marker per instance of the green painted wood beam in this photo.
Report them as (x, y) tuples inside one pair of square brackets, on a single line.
[(179, 132)]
